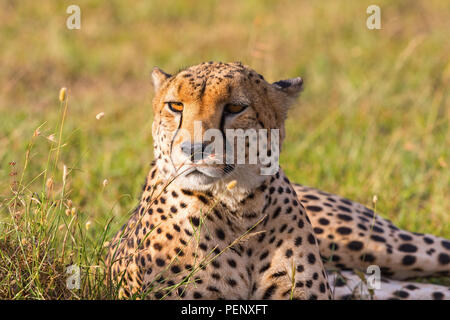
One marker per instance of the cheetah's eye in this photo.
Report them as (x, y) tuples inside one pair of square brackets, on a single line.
[(234, 108), (175, 106)]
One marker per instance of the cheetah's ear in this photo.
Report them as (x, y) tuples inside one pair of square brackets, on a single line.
[(158, 78), (292, 87)]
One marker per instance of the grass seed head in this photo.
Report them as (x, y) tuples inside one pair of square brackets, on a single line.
[(62, 94), (51, 138), (231, 185), (65, 173), (100, 115), (49, 184)]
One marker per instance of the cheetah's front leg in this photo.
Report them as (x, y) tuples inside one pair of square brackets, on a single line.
[(286, 263)]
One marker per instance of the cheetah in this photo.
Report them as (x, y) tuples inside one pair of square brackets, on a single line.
[(208, 230)]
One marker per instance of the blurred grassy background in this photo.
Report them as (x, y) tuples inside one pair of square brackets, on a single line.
[(373, 118)]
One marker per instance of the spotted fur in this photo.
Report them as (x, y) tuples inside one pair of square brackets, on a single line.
[(191, 237)]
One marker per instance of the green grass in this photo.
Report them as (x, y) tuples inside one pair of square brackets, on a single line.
[(373, 118)]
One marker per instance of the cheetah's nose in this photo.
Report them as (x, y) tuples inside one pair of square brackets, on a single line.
[(196, 151)]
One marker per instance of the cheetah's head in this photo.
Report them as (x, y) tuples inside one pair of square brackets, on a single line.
[(194, 111)]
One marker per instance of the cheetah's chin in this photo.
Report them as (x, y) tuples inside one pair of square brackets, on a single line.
[(204, 177), (213, 172), (197, 177)]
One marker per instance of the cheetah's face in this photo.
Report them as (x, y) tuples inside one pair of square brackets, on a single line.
[(196, 109)]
